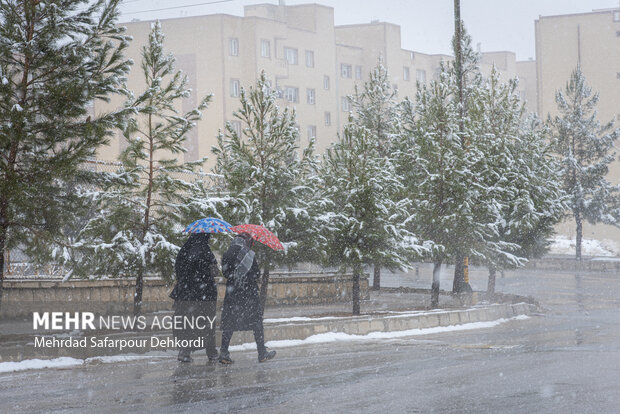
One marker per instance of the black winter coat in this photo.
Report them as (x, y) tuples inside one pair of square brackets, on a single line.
[(193, 271), (242, 310)]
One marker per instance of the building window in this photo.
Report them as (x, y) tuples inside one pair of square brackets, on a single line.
[(358, 72), (233, 46), (345, 70), (616, 16), (309, 58), (345, 103), (406, 73), (325, 82), (291, 55), (420, 75), (412, 55), (236, 127), (395, 89), (328, 118), (265, 48), (437, 73), (617, 75), (311, 132), (234, 88), (291, 94), (310, 96)]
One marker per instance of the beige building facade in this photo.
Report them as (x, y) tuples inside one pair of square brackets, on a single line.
[(313, 64), (591, 40)]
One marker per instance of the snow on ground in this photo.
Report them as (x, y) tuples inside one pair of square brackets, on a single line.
[(39, 364), (64, 362), (340, 336), (562, 245)]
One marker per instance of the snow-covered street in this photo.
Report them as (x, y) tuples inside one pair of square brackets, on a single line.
[(516, 366)]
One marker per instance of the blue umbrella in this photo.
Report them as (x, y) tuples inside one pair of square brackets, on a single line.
[(208, 225)]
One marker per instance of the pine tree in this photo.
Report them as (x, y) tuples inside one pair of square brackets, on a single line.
[(518, 177), (468, 80), (441, 159), (56, 58), (136, 230), (375, 108), (266, 176), (433, 164), (361, 217), (585, 148)]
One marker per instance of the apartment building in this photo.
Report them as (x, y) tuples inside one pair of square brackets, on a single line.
[(591, 40), (313, 64)]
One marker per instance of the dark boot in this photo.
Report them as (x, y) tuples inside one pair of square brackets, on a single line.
[(266, 355), (225, 358), (184, 355)]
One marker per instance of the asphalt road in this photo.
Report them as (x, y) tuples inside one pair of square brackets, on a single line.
[(567, 359)]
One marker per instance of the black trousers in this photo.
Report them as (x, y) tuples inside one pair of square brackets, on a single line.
[(259, 337), (195, 309)]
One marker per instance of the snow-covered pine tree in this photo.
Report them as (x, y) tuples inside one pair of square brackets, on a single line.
[(438, 159), (136, 228), (539, 202), (265, 175), (56, 58), (432, 169), (586, 150), (375, 107), (361, 217), (517, 178), (468, 80)]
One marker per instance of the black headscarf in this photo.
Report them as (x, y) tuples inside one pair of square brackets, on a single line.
[(194, 279)]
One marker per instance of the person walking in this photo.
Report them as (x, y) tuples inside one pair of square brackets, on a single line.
[(195, 295), (242, 310)]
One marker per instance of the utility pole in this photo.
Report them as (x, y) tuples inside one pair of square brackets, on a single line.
[(460, 284), (458, 61)]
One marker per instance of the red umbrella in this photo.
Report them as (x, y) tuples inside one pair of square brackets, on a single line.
[(260, 234)]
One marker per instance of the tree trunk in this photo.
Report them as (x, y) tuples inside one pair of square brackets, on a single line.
[(435, 285), (579, 237), (356, 290), (137, 297), (491, 283), (264, 283), (2, 247), (458, 285), (376, 278)]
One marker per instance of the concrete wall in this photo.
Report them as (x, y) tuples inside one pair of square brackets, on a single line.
[(20, 298)]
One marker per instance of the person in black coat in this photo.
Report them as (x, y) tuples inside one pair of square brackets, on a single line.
[(242, 310), (195, 294)]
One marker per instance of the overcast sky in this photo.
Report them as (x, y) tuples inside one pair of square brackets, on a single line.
[(426, 25)]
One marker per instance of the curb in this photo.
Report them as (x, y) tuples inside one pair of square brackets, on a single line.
[(362, 325)]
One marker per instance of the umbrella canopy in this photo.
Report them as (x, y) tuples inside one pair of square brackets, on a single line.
[(260, 234), (208, 225)]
